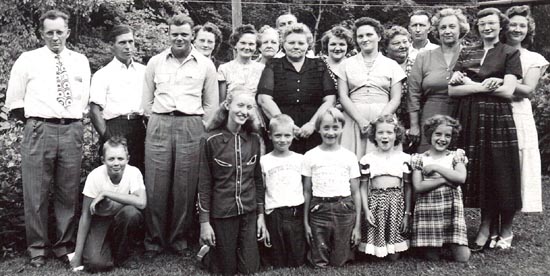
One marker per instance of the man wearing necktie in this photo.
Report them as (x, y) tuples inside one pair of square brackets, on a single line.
[(49, 86)]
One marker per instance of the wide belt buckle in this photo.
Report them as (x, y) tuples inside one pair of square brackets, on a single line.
[(129, 116), (63, 121)]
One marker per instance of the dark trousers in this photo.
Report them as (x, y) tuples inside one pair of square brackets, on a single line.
[(108, 239), (134, 132), (236, 247), (171, 175), (288, 241), (331, 225), (51, 153)]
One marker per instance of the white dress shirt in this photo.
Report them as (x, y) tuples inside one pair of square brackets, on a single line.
[(118, 89), (33, 84)]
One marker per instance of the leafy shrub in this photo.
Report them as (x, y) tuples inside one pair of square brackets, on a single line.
[(541, 111)]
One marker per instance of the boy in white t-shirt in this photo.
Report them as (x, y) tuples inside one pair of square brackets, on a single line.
[(284, 196), (331, 191), (114, 194)]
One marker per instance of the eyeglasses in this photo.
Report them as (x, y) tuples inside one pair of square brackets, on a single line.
[(489, 23)]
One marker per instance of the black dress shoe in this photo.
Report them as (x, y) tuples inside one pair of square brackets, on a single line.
[(38, 261)]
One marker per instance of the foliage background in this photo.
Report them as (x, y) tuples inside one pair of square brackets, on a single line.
[(90, 19)]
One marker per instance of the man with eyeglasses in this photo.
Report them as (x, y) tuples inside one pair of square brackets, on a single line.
[(48, 88)]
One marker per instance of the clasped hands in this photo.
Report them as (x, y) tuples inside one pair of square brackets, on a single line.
[(491, 84)]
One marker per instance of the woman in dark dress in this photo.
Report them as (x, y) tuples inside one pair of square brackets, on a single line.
[(298, 86), (483, 83)]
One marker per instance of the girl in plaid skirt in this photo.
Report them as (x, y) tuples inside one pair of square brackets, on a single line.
[(437, 174), (385, 191)]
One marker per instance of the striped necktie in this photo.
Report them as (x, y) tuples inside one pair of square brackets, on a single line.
[(64, 95)]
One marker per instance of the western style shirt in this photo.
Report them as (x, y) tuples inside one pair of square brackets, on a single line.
[(230, 176)]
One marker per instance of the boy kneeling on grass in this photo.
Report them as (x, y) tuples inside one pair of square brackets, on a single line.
[(114, 194)]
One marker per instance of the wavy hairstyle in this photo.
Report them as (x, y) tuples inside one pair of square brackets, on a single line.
[(367, 21), (392, 32), (220, 117), (524, 11), (433, 122), (337, 32), (298, 28), (209, 27), (503, 19), (53, 15), (463, 25), (389, 119), (239, 32)]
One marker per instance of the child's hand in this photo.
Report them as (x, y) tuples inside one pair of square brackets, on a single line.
[(369, 217), (207, 234), (96, 200), (262, 233), (405, 224), (309, 235), (306, 130), (355, 236)]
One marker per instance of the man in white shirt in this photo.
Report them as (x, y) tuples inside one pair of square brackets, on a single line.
[(419, 27), (49, 86), (116, 94), (114, 194)]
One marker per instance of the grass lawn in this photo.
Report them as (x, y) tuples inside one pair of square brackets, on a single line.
[(529, 256)]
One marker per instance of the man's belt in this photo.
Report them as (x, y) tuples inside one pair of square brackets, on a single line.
[(177, 113), (57, 121), (128, 117)]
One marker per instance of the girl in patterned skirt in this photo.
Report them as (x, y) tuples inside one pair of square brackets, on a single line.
[(437, 174), (385, 191)]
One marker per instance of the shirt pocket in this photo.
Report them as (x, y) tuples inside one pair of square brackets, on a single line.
[(222, 163), (190, 79), (162, 81)]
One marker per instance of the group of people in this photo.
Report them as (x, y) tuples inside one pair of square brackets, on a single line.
[(375, 145)]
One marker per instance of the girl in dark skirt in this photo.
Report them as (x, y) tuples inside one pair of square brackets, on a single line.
[(483, 82), (437, 174)]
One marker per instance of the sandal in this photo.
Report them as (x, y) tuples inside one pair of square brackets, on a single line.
[(493, 240), (505, 243)]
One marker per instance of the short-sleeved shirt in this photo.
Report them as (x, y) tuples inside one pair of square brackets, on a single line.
[(330, 171), (283, 180), (230, 175), (394, 164), (99, 181), (117, 88), (449, 161), (241, 77), (370, 85), (413, 52), (499, 61), (190, 87), (33, 84), (297, 94)]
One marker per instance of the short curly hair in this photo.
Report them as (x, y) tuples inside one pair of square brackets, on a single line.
[(338, 32), (503, 19), (524, 11), (394, 31), (209, 27), (367, 21), (433, 122), (115, 141), (240, 31), (298, 28), (463, 24), (389, 119)]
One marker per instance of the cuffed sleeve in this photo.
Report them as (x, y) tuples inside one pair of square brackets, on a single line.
[(204, 183)]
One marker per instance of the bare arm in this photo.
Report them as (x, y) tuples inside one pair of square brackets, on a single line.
[(268, 105), (356, 195), (136, 199), (395, 99), (96, 117), (307, 200), (83, 229), (423, 186), (506, 90), (529, 83)]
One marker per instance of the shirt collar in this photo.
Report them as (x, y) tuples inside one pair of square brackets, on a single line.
[(193, 54), (119, 64), (228, 135), (66, 52), (308, 63)]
